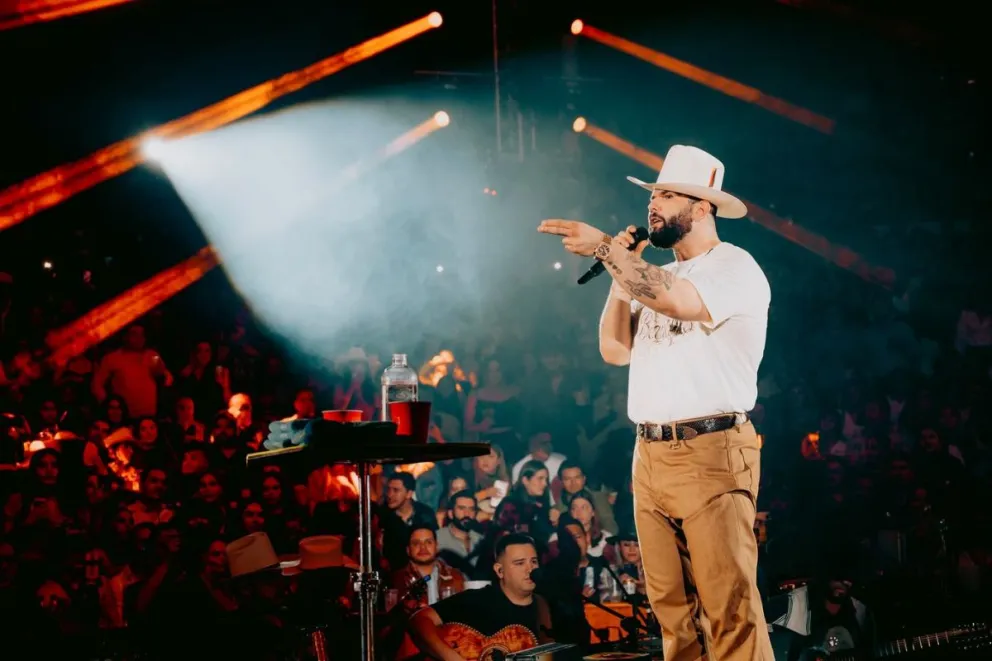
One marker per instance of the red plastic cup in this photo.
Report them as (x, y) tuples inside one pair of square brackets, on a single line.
[(342, 416), (413, 420)]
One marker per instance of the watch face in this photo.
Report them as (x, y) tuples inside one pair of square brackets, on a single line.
[(602, 250)]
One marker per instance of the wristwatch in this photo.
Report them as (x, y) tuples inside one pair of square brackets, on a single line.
[(603, 249)]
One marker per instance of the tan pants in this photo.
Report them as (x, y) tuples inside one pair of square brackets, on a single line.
[(694, 506)]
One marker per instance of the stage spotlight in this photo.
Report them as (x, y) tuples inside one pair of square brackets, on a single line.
[(434, 19), (153, 149), (579, 125), (439, 269), (557, 266), (577, 26), (441, 118)]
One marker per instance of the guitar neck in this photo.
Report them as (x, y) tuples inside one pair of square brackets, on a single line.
[(904, 645)]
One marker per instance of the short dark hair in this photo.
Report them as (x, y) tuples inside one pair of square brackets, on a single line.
[(569, 463), (408, 480), (421, 526), (464, 493), (511, 539)]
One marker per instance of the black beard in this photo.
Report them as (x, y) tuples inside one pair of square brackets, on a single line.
[(673, 230), (463, 524)]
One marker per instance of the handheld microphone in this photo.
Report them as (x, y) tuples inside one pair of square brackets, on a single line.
[(640, 234)]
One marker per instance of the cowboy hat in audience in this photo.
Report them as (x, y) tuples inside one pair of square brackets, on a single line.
[(320, 552), (251, 554)]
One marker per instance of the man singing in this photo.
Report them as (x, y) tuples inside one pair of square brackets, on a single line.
[(693, 333)]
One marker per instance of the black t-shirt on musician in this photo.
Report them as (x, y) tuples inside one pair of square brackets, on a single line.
[(487, 610)]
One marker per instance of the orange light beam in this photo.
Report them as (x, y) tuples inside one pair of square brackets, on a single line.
[(838, 255), (47, 189), (18, 13), (105, 320), (99, 315), (709, 79), (438, 120)]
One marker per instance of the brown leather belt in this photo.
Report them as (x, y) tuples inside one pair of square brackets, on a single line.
[(685, 430)]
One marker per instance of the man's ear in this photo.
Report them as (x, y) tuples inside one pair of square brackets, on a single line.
[(498, 568)]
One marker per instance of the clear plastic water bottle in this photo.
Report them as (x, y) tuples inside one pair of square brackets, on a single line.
[(399, 384)]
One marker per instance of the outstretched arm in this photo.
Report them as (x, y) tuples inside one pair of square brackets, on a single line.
[(655, 288)]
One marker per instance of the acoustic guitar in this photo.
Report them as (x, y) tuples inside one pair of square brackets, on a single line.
[(474, 646)]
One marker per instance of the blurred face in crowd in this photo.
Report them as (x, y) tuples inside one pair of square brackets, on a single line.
[(194, 461), (253, 518), (301, 495), (94, 489), (837, 591), (581, 510), (169, 540), (115, 413), (153, 486), (536, 484), (223, 431), (630, 552), (929, 441), (304, 405), (553, 361), (185, 410), (422, 548), (573, 480), (397, 494), (900, 471), (240, 409), (203, 354), (457, 484), (210, 490), (874, 412), (494, 374), (47, 469), (463, 513), (579, 535), (98, 431), (147, 432), (271, 491), (123, 522), (488, 463), (52, 597), (948, 418), (215, 559), (49, 414), (540, 446), (514, 568), (135, 338)]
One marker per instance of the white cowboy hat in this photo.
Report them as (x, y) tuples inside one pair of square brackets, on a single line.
[(251, 554), (320, 552), (693, 172)]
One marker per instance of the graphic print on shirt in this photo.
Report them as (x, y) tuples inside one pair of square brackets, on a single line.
[(659, 329)]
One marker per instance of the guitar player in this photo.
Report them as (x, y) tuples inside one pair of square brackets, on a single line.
[(823, 618), (511, 601)]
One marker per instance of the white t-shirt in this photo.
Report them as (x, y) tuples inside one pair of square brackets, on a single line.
[(709, 368)]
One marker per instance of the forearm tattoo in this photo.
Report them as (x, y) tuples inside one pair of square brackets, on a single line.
[(653, 275), (639, 289)]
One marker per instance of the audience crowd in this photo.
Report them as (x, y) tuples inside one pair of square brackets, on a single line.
[(131, 525)]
